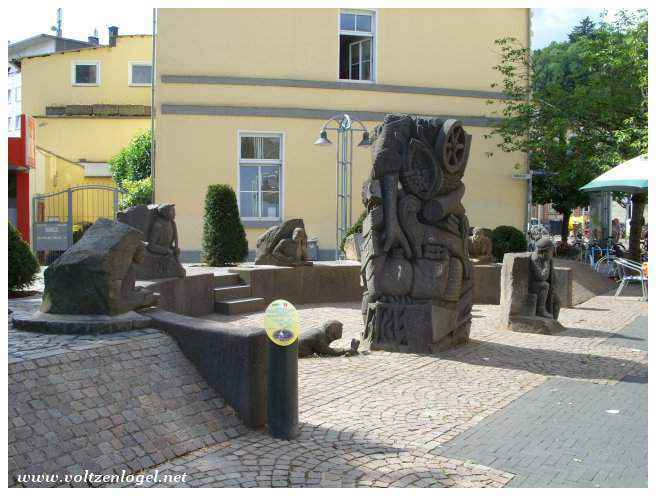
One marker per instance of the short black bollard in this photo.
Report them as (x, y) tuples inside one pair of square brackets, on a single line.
[(282, 327), (282, 390)]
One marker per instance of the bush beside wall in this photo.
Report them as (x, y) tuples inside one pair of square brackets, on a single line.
[(21, 262), (224, 238), (507, 239)]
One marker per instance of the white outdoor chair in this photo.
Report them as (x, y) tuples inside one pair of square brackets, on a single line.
[(630, 271)]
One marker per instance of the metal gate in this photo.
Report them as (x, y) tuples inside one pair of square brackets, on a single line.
[(61, 218)]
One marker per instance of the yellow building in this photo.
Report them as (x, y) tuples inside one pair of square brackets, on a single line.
[(88, 104), (241, 94)]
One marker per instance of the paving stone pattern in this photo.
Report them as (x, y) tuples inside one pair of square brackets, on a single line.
[(377, 419), (126, 406), (632, 336), (565, 433), (23, 345)]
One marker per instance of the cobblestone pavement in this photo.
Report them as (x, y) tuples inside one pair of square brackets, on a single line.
[(23, 345), (381, 419), (128, 406)]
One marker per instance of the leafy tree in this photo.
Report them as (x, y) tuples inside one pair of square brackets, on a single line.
[(139, 192), (130, 170), (585, 29), (577, 108), (224, 238), (21, 262)]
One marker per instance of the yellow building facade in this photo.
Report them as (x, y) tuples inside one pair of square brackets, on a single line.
[(88, 105), (241, 95)]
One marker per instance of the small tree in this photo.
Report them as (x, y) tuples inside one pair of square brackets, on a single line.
[(507, 239), (224, 238), (130, 170), (139, 192), (21, 262)]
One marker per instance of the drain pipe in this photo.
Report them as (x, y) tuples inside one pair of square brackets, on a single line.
[(152, 108)]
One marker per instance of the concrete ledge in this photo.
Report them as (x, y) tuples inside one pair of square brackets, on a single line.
[(232, 359), (487, 285), (190, 295), (51, 323), (322, 282)]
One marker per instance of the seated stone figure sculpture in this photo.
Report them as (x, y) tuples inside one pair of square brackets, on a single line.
[(284, 245), (157, 222), (529, 298), (480, 247), (541, 282), (96, 275)]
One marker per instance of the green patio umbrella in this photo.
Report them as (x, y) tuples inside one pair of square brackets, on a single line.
[(629, 177)]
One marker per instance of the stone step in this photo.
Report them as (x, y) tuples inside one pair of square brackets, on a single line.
[(232, 292), (240, 305), (223, 280)]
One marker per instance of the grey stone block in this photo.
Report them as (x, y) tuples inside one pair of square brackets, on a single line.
[(240, 305), (132, 110), (79, 110), (487, 284), (56, 110), (105, 110), (322, 282), (232, 359), (189, 295), (79, 324)]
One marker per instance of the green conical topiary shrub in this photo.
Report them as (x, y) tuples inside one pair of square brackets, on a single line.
[(22, 264), (507, 239), (224, 238)]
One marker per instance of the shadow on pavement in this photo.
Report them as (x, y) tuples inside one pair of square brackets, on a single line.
[(545, 362)]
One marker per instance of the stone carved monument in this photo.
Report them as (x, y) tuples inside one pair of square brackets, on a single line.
[(284, 245), (415, 268), (529, 296), (479, 246), (157, 223), (96, 275), (316, 341)]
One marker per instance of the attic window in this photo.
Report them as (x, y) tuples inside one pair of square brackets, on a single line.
[(85, 73), (356, 45)]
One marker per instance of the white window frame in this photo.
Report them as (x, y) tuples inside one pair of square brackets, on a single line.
[(17, 93), (75, 63), (139, 62), (262, 162), (373, 35)]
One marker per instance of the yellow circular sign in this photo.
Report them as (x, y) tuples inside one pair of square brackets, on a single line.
[(281, 323)]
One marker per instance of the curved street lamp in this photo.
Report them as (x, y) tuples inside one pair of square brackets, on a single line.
[(344, 126)]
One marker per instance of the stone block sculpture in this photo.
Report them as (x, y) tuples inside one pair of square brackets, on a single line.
[(529, 292), (96, 275), (284, 245), (157, 223), (415, 267), (479, 246)]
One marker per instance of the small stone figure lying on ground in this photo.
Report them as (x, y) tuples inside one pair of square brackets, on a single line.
[(316, 341)]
